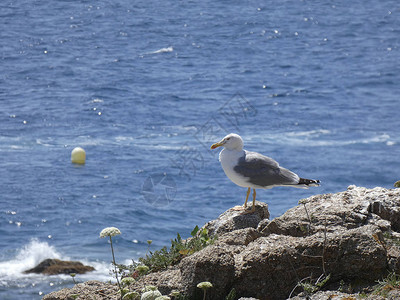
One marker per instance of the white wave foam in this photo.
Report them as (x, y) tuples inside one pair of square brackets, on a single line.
[(162, 50), (309, 138), (101, 272), (13, 278), (383, 138), (318, 138), (43, 142), (27, 257), (390, 143), (12, 271), (312, 133)]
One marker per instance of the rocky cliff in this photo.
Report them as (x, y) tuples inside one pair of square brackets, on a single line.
[(345, 241)]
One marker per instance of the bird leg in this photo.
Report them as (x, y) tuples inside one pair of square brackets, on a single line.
[(247, 197), (253, 209), (237, 207)]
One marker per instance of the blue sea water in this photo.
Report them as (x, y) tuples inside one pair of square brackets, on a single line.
[(145, 87)]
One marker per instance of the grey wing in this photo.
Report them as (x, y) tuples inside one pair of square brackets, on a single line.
[(264, 171)]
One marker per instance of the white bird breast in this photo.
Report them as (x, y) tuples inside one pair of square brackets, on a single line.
[(229, 159)]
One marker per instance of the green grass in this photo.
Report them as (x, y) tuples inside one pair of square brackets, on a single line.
[(310, 287), (384, 286), (163, 258)]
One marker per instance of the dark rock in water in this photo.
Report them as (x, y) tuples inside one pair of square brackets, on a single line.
[(56, 266)]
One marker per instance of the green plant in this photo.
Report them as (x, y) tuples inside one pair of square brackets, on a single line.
[(123, 292), (384, 286), (142, 269), (148, 288), (180, 248), (110, 232), (127, 281), (176, 295), (131, 296), (73, 277), (362, 295), (341, 286), (309, 287), (391, 239), (205, 286), (151, 295), (231, 295)]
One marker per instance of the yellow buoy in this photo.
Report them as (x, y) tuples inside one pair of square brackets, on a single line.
[(78, 156)]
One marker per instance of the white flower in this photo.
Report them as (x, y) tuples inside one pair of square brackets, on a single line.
[(127, 281), (150, 295), (109, 231), (204, 285), (149, 288), (175, 293)]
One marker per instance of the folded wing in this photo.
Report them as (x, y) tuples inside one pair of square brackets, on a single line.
[(264, 171)]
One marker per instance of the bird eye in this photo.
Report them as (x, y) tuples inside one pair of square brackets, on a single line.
[(228, 138)]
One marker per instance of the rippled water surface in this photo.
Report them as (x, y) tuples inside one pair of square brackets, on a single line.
[(146, 87)]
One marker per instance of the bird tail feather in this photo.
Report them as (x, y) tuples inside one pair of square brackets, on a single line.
[(309, 182)]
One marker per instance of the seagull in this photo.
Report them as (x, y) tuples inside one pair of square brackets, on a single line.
[(254, 170)]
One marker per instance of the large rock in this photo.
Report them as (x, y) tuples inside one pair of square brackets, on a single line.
[(55, 266), (166, 281), (336, 295), (351, 237), (270, 267), (235, 218), (346, 210), (215, 264), (341, 235)]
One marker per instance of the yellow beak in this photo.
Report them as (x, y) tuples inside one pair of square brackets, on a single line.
[(216, 145)]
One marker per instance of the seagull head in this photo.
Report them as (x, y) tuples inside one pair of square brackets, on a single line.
[(232, 141)]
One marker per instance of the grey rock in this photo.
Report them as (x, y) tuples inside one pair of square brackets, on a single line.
[(215, 264), (330, 295), (165, 281), (384, 203), (336, 295), (87, 290), (270, 267), (234, 219), (349, 209), (240, 237)]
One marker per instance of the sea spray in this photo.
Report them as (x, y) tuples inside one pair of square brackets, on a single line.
[(31, 254), (28, 257)]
